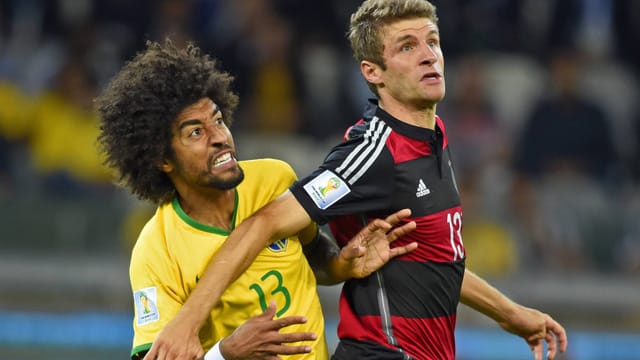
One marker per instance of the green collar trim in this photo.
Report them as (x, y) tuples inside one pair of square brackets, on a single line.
[(203, 227)]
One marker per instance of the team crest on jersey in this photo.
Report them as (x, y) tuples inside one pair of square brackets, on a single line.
[(279, 245), (326, 189), (146, 303)]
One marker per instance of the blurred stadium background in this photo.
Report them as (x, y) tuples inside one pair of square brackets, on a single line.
[(542, 108)]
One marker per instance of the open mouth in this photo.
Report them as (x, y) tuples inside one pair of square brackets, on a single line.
[(222, 159), (432, 76)]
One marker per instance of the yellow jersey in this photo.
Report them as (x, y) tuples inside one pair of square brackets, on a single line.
[(173, 250)]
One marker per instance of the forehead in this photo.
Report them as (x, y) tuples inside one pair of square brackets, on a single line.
[(204, 105), (407, 27)]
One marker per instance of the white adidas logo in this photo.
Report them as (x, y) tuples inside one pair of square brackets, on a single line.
[(422, 189)]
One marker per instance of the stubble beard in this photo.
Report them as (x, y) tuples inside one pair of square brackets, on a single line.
[(228, 183)]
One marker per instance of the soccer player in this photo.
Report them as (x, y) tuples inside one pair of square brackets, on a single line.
[(396, 157), (164, 127)]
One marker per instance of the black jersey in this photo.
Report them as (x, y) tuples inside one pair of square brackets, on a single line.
[(407, 309)]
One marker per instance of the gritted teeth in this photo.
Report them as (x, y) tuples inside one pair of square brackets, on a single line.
[(222, 159)]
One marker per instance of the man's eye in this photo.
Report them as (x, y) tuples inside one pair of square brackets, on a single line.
[(406, 48), (195, 132)]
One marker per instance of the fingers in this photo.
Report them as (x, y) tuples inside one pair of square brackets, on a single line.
[(277, 343), (288, 349), (269, 313), (556, 338), (561, 335), (401, 231), (375, 225), (353, 252), (554, 335), (287, 321), (391, 221), (396, 217), (401, 250), (537, 348), (551, 346), (296, 337)]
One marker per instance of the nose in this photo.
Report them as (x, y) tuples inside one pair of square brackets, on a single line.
[(429, 54), (218, 135)]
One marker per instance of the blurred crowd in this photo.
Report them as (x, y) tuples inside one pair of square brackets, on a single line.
[(541, 107)]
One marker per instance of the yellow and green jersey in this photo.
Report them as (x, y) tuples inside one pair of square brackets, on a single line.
[(173, 251)]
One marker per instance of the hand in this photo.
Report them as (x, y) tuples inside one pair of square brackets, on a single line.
[(260, 338), (369, 250), (176, 341), (536, 328)]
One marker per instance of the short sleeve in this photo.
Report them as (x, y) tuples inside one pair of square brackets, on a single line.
[(354, 178)]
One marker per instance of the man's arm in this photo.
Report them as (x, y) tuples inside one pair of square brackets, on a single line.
[(258, 338), (319, 253), (532, 325), (368, 251), (280, 218)]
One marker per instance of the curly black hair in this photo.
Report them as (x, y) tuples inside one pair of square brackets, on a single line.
[(141, 102)]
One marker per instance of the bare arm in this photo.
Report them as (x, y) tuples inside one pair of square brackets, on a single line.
[(281, 218), (479, 295), (260, 338), (532, 325)]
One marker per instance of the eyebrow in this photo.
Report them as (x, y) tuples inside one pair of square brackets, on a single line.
[(409, 36), (215, 110), (190, 122)]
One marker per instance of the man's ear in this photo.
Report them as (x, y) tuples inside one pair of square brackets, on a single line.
[(165, 166), (371, 72)]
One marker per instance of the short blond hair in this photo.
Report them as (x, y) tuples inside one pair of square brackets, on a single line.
[(367, 22)]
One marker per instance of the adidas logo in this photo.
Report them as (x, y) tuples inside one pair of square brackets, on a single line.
[(422, 189)]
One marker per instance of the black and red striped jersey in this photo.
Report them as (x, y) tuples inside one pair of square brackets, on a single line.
[(407, 309)]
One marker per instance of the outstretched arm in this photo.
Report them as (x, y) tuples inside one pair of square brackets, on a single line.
[(368, 251), (532, 325)]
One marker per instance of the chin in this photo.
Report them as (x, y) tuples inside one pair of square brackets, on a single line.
[(230, 182), (436, 97)]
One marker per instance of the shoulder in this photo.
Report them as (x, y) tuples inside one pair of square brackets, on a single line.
[(355, 130), (268, 165), (266, 175), (367, 138), (152, 237), (365, 128)]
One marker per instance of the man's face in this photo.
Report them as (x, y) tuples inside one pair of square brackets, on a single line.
[(204, 153), (415, 65)]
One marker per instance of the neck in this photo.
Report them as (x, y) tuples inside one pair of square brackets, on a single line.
[(421, 116), (212, 207)]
